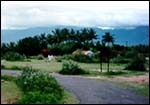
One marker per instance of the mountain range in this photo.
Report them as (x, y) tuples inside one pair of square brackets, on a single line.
[(122, 36)]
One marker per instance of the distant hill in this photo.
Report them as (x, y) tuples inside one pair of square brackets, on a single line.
[(133, 36)]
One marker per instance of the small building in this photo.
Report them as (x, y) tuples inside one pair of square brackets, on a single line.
[(83, 52)]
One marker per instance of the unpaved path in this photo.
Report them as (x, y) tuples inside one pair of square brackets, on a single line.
[(91, 91)]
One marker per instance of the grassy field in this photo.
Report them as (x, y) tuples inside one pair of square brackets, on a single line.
[(54, 66), (9, 92)]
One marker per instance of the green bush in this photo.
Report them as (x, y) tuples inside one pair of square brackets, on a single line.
[(39, 87), (71, 69), (59, 59), (119, 59), (136, 64), (114, 73), (38, 97), (8, 78), (40, 57), (14, 56), (16, 68), (2, 66), (67, 57), (82, 58), (130, 54), (66, 48)]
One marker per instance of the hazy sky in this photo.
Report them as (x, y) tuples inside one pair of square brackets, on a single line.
[(25, 14)]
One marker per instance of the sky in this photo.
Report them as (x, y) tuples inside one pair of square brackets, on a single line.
[(102, 14)]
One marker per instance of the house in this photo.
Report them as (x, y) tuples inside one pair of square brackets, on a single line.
[(83, 52)]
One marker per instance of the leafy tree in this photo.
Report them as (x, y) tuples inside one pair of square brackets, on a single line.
[(29, 46)]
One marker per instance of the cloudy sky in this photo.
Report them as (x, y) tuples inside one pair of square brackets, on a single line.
[(26, 14)]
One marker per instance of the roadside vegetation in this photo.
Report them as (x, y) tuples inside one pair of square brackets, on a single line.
[(26, 89), (69, 49)]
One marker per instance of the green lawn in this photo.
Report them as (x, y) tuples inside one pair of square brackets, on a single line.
[(54, 66), (9, 91)]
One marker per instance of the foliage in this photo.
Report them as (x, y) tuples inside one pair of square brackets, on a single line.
[(110, 73), (2, 66), (119, 59), (38, 97), (8, 78), (82, 58), (71, 69), (14, 56), (107, 38), (59, 59), (136, 64), (40, 57), (47, 93), (54, 49), (130, 54), (67, 57)]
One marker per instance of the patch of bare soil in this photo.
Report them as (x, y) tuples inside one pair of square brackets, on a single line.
[(8, 101), (142, 79)]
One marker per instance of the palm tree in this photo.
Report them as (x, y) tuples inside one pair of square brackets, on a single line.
[(65, 35), (108, 38), (72, 35), (92, 35), (57, 36), (84, 35)]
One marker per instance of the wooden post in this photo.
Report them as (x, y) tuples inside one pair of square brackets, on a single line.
[(101, 63), (108, 63)]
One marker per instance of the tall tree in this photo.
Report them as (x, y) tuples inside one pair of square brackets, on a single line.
[(92, 35), (107, 38), (57, 36)]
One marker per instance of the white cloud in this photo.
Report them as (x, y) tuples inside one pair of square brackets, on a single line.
[(26, 14)]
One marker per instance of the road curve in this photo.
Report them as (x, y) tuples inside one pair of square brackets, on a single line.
[(91, 91)]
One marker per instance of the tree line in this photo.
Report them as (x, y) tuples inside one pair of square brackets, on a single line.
[(64, 41)]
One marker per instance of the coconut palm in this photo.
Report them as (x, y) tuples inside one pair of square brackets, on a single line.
[(108, 38)]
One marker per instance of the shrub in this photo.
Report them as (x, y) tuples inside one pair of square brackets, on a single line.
[(8, 78), (38, 97), (68, 57), (71, 69), (2, 66), (82, 58), (114, 73), (130, 54), (66, 48), (16, 68), (119, 59), (39, 87), (40, 57), (136, 64), (13, 56), (59, 59)]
